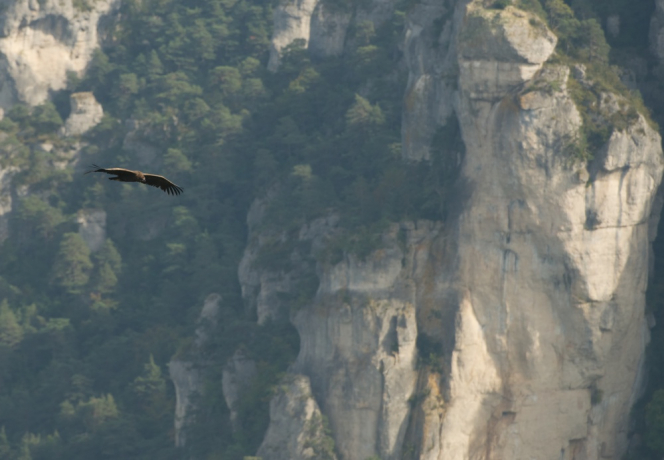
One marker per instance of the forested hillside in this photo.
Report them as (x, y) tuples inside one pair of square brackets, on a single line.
[(85, 337)]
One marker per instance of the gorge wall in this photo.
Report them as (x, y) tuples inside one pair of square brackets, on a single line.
[(529, 301)]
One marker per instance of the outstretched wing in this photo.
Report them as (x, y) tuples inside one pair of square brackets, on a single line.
[(120, 172), (163, 183)]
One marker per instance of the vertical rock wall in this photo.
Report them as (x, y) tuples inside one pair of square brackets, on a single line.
[(528, 305), (41, 41)]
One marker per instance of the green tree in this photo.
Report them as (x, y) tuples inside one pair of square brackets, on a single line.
[(46, 118), (109, 265), (149, 388), (36, 218), (655, 422), (563, 22), (96, 411), (176, 161), (363, 115), (594, 49), (227, 78), (72, 266), (5, 447), (11, 331)]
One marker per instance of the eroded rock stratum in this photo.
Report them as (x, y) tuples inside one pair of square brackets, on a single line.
[(529, 301)]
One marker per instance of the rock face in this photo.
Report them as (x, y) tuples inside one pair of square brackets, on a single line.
[(292, 21), (657, 31), (358, 338), (430, 54), (296, 428), (86, 113), (41, 41), (527, 306), (184, 373), (5, 200), (321, 25), (187, 382), (92, 227), (552, 259), (239, 371)]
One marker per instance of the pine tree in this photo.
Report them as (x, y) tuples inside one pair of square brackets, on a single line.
[(149, 389), (5, 447), (109, 266), (11, 332), (72, 267), (150, 382)]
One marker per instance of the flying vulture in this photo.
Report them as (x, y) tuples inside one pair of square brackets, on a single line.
[(127, 175)]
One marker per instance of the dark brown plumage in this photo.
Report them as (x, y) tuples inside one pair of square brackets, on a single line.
[(127, 175)]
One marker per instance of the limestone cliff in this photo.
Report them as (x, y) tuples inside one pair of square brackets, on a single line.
[(297, 431), (184, 369), (42, 41), (527, 306), (322, 26)]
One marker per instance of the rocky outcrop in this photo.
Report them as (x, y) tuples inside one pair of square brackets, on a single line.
[(92, 227), (238, 372), (321, 25), (430, 54), (5, 200), (358, 347), (527, 306), (292, 21), (269, 292), (187, 382), (297, 430), (552, 259), (42, 41), (358, 335), (86, 113), (657, 31), (186, 374)]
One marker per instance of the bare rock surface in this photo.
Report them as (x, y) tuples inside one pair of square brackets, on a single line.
[(86, 113), (42, 41), (321, 26), (92, 227), (297, 430), (185, 371), (236, 375)]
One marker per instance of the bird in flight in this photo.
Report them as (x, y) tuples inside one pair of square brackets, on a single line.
[(127, 175)]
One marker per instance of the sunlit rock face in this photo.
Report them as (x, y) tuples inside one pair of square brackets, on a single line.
[(552, 258), (292, 21), (42, 41), (358, 332), (515, 329), (86, 113), (297, 428)]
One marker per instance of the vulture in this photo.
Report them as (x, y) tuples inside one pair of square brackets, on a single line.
[(127, 175)]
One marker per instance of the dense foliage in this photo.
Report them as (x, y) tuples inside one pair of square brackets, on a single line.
[(85, 337)]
